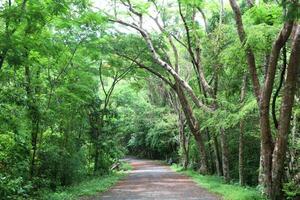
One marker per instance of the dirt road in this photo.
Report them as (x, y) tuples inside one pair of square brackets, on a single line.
[(150, 180)]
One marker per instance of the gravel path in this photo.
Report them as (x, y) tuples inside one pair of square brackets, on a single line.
[(150, 180)]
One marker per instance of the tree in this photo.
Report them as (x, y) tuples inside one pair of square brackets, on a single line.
[(272, 152)]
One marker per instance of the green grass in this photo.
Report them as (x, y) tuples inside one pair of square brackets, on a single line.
[(86, 188), (216, 185), (125, 166)]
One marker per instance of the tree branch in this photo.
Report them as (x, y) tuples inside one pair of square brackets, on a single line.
[(273, 60), (195, 56), (101, 79), (141, 65), (131, 9), (165, 65), (249, 53), (162, 29), (204, 19)]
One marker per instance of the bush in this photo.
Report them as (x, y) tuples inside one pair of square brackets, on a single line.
[(291, 190), (13, 188)]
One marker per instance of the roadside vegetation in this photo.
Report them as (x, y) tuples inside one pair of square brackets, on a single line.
[(90, 187), (215, 184)]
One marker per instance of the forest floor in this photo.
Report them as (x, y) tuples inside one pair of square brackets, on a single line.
[(153, 180)]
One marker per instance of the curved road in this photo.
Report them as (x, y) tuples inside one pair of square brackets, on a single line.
[(150, 180)]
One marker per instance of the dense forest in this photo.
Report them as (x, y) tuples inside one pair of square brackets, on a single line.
[(212, 85)]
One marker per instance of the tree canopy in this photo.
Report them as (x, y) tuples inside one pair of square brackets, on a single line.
[(210, 85)]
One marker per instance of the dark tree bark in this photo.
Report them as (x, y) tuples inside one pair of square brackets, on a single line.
[(34, 116), (184, 141), (276, 94), (217, 156), (241, 137), (225, 156), (2, 58), (210, 152), (241, 153)]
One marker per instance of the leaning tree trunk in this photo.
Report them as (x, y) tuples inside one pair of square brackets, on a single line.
[(194, 127)]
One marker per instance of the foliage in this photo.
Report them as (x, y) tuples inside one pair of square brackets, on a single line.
[(78, 92), (291, 190), (269, 14), (150, 130), (216, 184), (86, 188), (46, 81)]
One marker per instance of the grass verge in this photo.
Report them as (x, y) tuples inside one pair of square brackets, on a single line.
[(86, 188), (125, 166), (216, 185), (89, 187)]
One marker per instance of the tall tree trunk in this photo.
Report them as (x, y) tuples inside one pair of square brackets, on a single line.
[(99, 127), (241, 137), (280, 149), (183, 143), (210, 150), (261, 179), (217, 156), (187, 154), (95, 130), (96, 158), (183, 139), (292, 165), (34, 116), (201, 147), (266, 145), (241, 153), (225, 155)]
